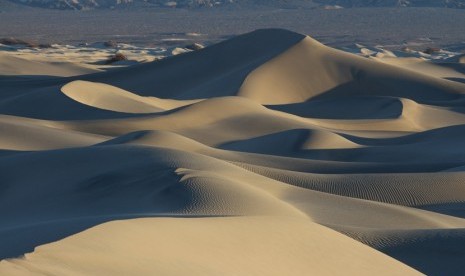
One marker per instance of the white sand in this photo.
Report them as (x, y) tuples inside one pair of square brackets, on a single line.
[(244, 158)]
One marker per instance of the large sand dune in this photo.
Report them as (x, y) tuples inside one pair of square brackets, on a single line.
[(267, 154)]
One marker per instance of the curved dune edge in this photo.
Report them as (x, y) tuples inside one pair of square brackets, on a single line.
[(112, 98), (206, 246)]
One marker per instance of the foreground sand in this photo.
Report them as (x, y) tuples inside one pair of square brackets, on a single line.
[(267, 154)]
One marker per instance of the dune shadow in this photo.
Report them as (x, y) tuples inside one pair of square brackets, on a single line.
[(461, 80), (433, 252), (348, 107), (456, 209)]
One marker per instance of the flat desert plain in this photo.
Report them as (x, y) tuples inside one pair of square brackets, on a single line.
[(265, 154)]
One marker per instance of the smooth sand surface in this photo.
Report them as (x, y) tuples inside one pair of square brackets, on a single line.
[(28, 66), (190, 246), (266, 154)]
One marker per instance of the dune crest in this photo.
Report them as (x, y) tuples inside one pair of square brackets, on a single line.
[(112, 98)]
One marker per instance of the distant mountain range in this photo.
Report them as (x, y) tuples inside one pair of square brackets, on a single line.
[(328, 4), (395, 3)]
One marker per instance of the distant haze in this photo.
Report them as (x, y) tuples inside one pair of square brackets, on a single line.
[(339, 27), (327, 4)]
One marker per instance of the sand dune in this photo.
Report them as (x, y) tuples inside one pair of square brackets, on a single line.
[(14, 66), (245, 248), (29, 134), (266, 154), (334, 73), (438, 70), (112, 98)]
